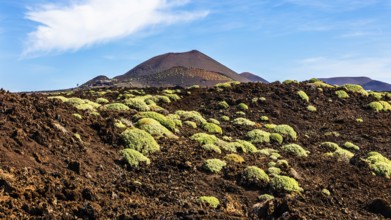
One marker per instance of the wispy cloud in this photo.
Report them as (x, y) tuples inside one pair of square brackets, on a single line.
[(375, 67), (85, 23)]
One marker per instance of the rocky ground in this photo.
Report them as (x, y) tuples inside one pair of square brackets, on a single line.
[(55, 164)]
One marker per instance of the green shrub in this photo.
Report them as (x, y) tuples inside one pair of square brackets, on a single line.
[(386, 106), (190, 124), (274, 171), (264, 118), (194, 87), (330, 146), (247, 146), (230, 147), (160, 98), (116, 107), (242, 107), (119, 124), (134, 158), (214, 121), (286, 130), (270, 126), (326, 192), (285, 184), (282, 164), (258, 136), (376, 95), (275, 156), (289, 81), (303, 95), (377, 106), (342, 94), (227, 138), (225, 118), (223, 105), (165, 121), (240, 113), (173, 97), (265, 197), (311, 108), (320, 84), (211, 147), (209, 201), (137, 103), (234, 158), (312, 80), (75, 101), (169, 91), (295, 150), (77, 116), (382, 169), (78, 137), (359, 120), (223, 85), (191, 116), (212, 128), (243, 121), (379, 164), (204, 138), (276, 137), (332, 133), (102, 101), (154, 128), (356, 89), (139, 140), (351, 146), (255, 175), (343, 155), (61, 98), (214, 165)]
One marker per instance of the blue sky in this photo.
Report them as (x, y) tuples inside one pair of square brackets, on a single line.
[(57, 44)]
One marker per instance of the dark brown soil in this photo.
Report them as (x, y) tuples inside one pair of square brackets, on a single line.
[(46, 173)]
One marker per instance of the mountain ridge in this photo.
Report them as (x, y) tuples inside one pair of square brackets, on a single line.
[(366, 82)]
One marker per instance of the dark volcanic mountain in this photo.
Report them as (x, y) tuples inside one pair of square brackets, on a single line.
[(177, 76), (366, 82), (253, 78), (191, 59)]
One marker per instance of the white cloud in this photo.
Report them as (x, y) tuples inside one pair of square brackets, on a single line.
[(375, 67), (84, 23)]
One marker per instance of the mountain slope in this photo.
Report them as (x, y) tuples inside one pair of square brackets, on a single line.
[(191, 59), (253, 78), (66, 157)]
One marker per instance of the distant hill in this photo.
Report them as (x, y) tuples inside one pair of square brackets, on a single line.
[(253, 78), (192, 59), (366, 82), (98, 81)]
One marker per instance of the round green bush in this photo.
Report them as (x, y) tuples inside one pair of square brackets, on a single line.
[(295, 150), (209, 200), (214, 165), (139, 140), (255, 175), (285, 184), (134, 158)]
